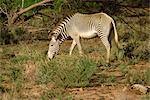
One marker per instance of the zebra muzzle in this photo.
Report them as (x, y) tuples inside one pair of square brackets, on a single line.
[(51, 56)]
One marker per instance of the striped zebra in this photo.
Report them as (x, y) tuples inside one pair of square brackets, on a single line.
[(84, 26)]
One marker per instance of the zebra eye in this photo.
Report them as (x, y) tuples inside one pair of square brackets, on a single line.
[(51, 45)]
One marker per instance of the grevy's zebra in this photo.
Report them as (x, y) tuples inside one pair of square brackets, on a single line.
[(86, 26)]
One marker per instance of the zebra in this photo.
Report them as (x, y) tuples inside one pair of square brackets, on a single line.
[(83, 26)]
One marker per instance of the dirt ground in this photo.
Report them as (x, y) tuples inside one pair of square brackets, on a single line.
[(117, 92)]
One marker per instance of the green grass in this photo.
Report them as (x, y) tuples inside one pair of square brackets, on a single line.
[(138, 77), (123, 68)]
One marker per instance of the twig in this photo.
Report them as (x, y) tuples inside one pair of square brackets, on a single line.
[(4, 12), (41, 13)]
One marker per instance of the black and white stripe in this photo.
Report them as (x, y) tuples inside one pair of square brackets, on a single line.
[(61, 32)]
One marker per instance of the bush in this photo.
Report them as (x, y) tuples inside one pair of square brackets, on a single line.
[(135, 44), (13, 36)]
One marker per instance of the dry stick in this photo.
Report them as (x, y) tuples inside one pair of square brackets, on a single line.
[(137, 15), (130, 25), (127, 23), (41, 13), (5, 12), (2, 10)]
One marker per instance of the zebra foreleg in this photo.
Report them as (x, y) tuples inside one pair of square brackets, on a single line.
[(72, 46), (77, 40)]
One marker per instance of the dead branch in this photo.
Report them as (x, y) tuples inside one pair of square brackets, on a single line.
[(96, 0), (32, 6), (132, 27), (16, 15), (4, 12), (127, 24), (41, 13)]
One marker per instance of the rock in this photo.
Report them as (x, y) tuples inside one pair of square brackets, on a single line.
[(81, 89), (140, 88)]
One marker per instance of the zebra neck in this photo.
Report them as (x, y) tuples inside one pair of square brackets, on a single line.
[(62, 37), (61, 31)]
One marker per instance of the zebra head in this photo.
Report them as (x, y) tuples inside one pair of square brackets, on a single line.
[(53, 47)]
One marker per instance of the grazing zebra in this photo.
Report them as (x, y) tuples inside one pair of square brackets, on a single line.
[(85, 26)]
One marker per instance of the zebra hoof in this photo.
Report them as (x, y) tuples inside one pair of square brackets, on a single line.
[(105, 65)]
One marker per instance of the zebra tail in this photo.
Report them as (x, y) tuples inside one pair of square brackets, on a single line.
[(116, 35)]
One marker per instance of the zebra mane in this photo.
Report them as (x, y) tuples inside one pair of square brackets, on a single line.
[(56, 32)]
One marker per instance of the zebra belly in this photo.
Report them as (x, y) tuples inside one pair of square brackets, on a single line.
[(88, 34)]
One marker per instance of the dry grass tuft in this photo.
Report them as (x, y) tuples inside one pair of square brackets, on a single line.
[(30, 71)]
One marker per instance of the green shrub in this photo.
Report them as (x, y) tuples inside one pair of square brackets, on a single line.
[(137, 77), (111, 79), (67, 72), (13, 36), (135, 50), (123, 68)]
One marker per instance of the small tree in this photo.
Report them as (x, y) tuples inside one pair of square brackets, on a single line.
[(10, 12), (13, 9)]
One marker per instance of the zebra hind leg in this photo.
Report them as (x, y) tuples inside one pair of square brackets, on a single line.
[(108, 48)]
